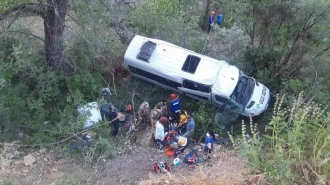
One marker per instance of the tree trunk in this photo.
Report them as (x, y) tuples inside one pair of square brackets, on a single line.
[(54, 22), (206, 18)]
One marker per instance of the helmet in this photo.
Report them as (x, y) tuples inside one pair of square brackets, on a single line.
[(176, 161), (172, 96)]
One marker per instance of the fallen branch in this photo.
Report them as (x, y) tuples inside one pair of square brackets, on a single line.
[(322, 180)]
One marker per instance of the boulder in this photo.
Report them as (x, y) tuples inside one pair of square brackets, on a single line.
[(29, 159)]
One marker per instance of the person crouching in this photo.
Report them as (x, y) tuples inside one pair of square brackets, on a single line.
[(180, 145), (160, 133)]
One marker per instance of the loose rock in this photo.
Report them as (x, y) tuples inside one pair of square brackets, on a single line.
[(29, 159), (6, 163), (9, 156), (42, 150)]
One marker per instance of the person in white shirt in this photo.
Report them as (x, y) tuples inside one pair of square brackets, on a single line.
[(160, 133)]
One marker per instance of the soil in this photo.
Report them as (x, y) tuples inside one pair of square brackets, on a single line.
[(130, 168)]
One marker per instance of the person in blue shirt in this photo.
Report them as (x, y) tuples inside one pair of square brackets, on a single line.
[(219, 18), (211, 22), (208, 146), (175, 103), (190, 128)]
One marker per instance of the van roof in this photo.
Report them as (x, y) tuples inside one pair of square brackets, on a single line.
[(171, 59)]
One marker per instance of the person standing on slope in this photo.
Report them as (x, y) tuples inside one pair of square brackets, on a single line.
[(211, 21), (219, 18), (175, 103)]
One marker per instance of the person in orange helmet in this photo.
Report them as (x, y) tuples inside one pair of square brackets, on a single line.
[(211, 21), (175, 103)]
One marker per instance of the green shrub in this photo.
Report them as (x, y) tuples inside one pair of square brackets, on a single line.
[(295, 148), (100, 149)]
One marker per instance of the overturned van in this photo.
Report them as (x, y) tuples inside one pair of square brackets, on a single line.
[(196, 75)]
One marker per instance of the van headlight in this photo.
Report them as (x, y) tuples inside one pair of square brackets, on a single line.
[(255, 114)]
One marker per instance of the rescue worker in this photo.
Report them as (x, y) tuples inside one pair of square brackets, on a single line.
[(182, 121), (172, 119), (211, 21), (155, 115), (162, 106), (175, 103), (114, 120), (208, 146), (190, 127), (144, 112), (219, 18), (160, 133), (181, 143)]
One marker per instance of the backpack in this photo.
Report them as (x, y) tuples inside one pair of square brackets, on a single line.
[(129, 107), (161, 167), (191, 157)]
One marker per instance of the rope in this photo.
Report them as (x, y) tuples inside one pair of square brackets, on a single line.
[(204, 131), (57, 142), (206, 40)]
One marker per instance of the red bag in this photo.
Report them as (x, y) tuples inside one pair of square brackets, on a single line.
[(161, 167)]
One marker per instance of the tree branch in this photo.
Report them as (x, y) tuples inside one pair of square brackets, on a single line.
[(27, 33), (34, 8)]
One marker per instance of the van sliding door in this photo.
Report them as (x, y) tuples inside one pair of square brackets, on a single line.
[(198, 90), (197, 94)]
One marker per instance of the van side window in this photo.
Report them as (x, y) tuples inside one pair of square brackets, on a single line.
[(157, 78), (196, 86), (221, 99), (146, 51), (191, 63)]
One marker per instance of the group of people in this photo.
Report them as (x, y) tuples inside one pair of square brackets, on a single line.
[(174, 122), (163, 120), (211, 20)]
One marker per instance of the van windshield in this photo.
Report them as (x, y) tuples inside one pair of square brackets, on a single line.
[(228, 113), (243, 90)]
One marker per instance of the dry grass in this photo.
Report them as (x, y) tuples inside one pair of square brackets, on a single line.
[(226, 169)]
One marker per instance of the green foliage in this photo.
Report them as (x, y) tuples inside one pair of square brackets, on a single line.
[(287, 43), (5, 4), (157, 18), (73, 179), (100, 149), (295, 148), (86, 84), (203, 116)]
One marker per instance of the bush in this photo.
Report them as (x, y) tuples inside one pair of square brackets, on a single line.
[(100, 149), (295, 148)]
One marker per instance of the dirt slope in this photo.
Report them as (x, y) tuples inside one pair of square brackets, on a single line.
[(131, 168)]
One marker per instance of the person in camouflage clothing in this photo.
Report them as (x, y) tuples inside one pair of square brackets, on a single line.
[(144, 113), (155, 116), (162, 106)]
